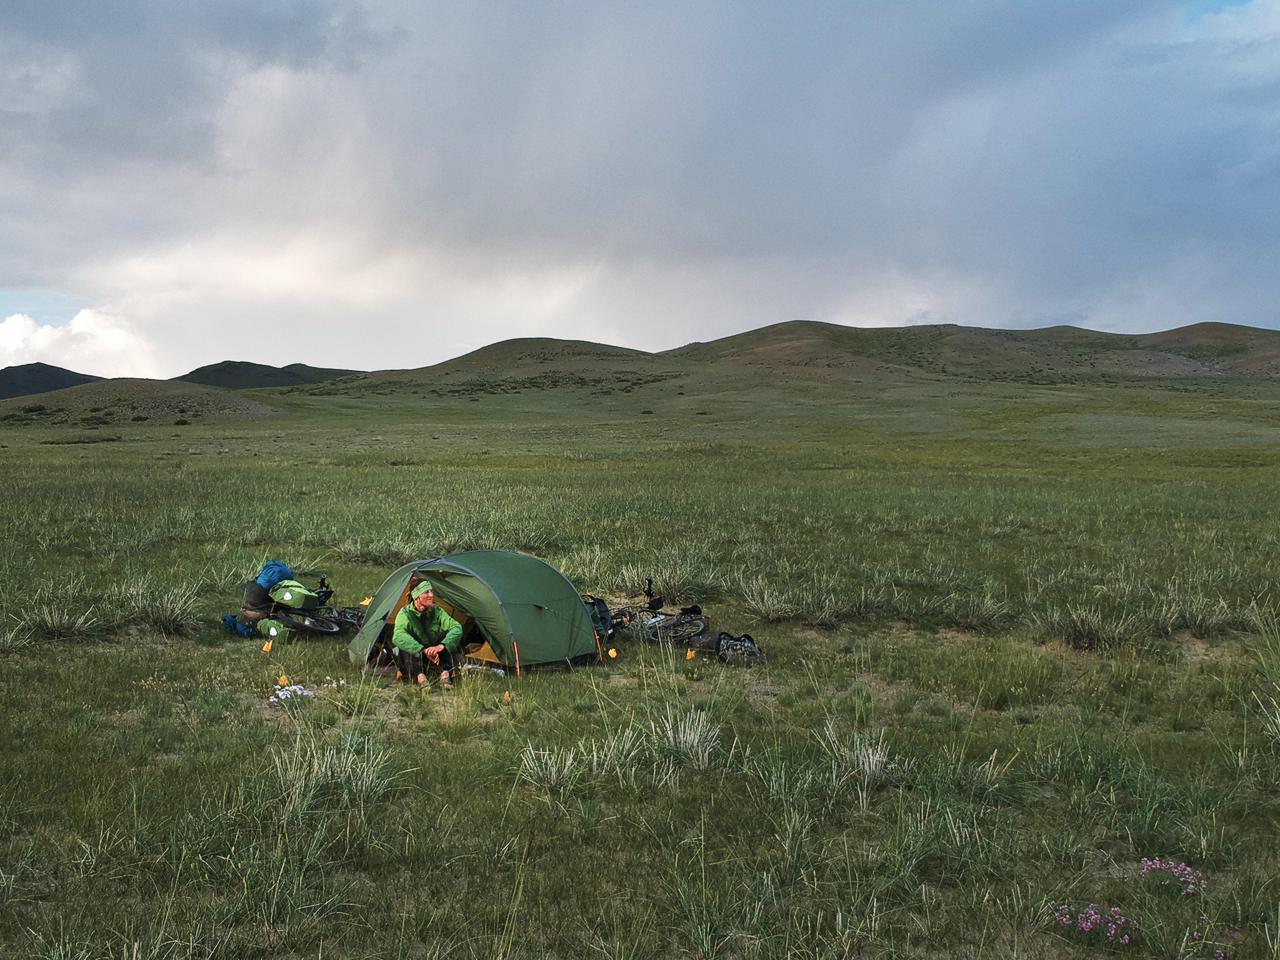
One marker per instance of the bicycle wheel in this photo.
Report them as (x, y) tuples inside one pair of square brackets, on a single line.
[(654, 628), (672, 628), (685, 628), (309, 622)]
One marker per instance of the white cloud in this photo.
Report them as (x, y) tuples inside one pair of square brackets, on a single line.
[(334, 300), (92, 342)]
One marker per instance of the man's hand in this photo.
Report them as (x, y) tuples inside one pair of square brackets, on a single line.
[(433, 653)]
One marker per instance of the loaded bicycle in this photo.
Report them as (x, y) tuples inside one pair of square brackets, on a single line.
[(290, 605), (655, 625)]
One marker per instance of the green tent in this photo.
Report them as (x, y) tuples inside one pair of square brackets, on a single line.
[(521, 609)]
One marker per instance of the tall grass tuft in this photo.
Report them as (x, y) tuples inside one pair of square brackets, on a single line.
[(618, 756), (61, 947), (313, 771), (793, 834), (765, 600), (1088, 626), (557, 771), (47, 620), (988, 774), (987, 611), (169, 610), (157, 944), (15, 638), (687, 738), (1269, 714), (773, 780), (677, 577), (862, 760), (714, 916), (1265, 627), (18, 866)]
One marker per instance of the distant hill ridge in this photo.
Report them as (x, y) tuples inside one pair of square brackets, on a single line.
[(808, 349), (105, 403), (28, 378), (245, 375), (1052, 353)]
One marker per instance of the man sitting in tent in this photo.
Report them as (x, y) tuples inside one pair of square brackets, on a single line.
[(425, 634)]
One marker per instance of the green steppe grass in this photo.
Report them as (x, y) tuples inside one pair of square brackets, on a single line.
[(1018, 638)]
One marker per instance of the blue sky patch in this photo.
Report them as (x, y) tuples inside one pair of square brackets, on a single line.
[(42, 306)]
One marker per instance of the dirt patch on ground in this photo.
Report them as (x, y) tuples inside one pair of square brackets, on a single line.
[(885, 691), (1196, 649), (764, 694)]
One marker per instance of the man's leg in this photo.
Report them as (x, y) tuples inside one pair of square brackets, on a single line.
[(411, 666), (446, 668)]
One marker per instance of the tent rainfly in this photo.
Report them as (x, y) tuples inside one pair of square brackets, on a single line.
[(521, 609)]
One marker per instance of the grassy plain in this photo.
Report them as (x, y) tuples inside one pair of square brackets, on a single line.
[(1020, 636)]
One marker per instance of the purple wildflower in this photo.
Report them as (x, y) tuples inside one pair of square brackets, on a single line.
[(293, 692), (1175, 872), (1093, 924)]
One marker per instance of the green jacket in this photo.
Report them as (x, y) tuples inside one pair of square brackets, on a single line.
[(414, 630)]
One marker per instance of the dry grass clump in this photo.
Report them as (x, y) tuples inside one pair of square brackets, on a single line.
[(47, 620), (618, 756), (554, 770), (169, 609), (688, 738), (1089, 626), (15, 637), (312, 771)]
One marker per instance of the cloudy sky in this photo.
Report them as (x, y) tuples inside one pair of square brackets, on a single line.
[(392, 182)]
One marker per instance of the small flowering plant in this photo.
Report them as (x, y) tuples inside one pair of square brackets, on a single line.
[(1171, 872), (289, 694), (1095, 925), (1168, 882)]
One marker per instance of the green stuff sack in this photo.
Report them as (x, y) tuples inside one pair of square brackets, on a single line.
[(290, 593), (274, 630)]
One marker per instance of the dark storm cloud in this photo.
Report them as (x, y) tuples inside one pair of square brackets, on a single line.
[(111, 111), (590, 169), (149, 76), (729, 128), (1052, 150)]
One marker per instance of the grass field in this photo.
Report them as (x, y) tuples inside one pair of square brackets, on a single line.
[(1020, 638)]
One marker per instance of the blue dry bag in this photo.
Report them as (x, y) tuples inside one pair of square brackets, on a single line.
[(273, 571)]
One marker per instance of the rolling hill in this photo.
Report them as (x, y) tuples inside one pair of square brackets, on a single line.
[(513, 366), (799, 352), (807, 355), (245, 375), (1051, 354), (29, 378), (109, 402)]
